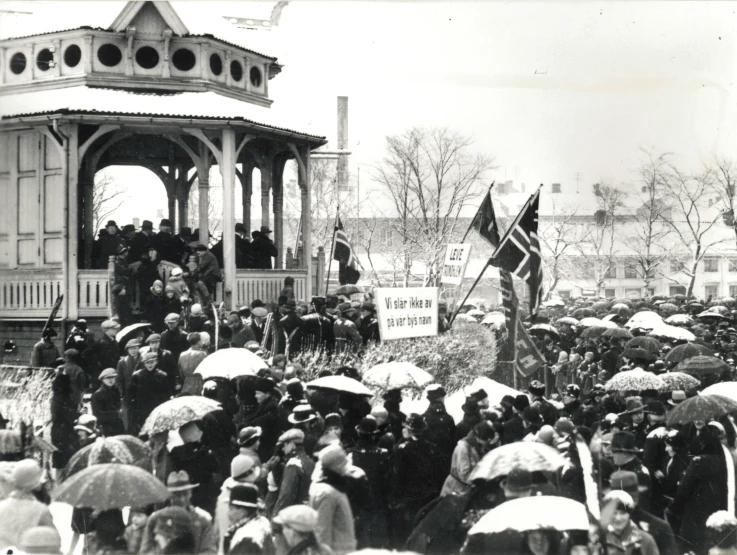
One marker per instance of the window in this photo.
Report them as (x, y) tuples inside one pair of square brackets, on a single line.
[(183, 59), (633, 293), (556, 188), (18, 63), (72, 55), (612, 272), (711, 264), (676, 290), (609, 293), (732, 290), (109, 55), (236, 70), (564, 294), (650, 291), (711, 291), (732, 264), (255, 76), (216, 64), (677, 266), (45, 60), (147, 57), (630, 270)]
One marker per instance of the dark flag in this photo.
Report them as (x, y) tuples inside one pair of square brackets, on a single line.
[(527, 359), (485, 221), (343, 253), (519, 251)]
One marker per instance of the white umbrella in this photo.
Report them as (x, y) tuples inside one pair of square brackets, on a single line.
[(177, 412), (230, 363), (725, 389), (590, 322), (341, 383), (679, 320), (534, 513), (554, 302), (476, 312), (608, 324), (634, 380), (466, 318), (495, 390), (130, 329), (393, 375), (497, 318), (672, 332), (645, 320)]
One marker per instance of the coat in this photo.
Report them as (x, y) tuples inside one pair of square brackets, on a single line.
[(198, 461), (347, 338), (441, 429), (632, 541), (189, 360), (371, 514), (243, 335), (63, 415), (175, 342), (265, 415), (414, 479), (291, 326), (262, 250), (208, 269), (335, 525), (202, 528), (466, 456), (44, 355), (108, 246), (252, 537), (147, 390), (296, 479), (106, 404), (18, 513), (317, 332), (658, 528), (107, 352)]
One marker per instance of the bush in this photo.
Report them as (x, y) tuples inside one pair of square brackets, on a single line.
[(25, 394), (455, 358)]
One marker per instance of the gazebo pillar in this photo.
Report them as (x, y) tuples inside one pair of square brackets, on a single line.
[(247, 190), (278, 195), (203, 184), (227, 171), (306, 189), (87, 175), (266, 178)]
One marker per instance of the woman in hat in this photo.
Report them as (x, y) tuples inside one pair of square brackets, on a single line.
[(265, 414), (173, 532), (154, 310), (249, 532), (560, 370), (623, 537), (467, 454)]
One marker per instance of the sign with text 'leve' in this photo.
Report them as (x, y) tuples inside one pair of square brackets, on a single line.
[(454, 266), (406, 311)]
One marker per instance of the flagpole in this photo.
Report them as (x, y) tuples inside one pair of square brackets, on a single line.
[(332, 246), (475, 283), (516, 221), (470, 227)]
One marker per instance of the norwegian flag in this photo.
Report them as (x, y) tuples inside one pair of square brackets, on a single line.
[(485, 221), (519, 251), (343, 253)]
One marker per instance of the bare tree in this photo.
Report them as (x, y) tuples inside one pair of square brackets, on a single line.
[(691, 218), (559, 237), (650, 225), (430, 176), (597, 248), (725, 185), (106, 198), (214, 206)]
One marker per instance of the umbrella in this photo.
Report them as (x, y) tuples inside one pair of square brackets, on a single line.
[(626, 302), (679, 297), (617, 333), (475, 312), (394, 375), (177, 412), (621, 310), (567, 320), (341, 383), (682, 352), (347, 290), (725, 389), (127, 330), (230, 363), (529, 456), (554, 302), (658, 297), (719, 309), (642, 342), (679, 320), (611, 318), (672, 332), (111, 486), (701, 407), (466, 318), (634, 380), (544, 328), (601, 305), (495, 390), (593, 331), (583, 313), (590, 321), (540, 513), (493, 318), (645, 320), (116, 449), (668, 307), (638, 353), (708, 314), (674, 381), (701, 365)]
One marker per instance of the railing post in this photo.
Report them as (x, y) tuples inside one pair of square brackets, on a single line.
[(320, 278), (110, 285)]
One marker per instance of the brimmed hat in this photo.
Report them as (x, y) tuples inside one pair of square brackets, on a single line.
[(153, 337), (655, 407), (86, 423), (179, 481), (298, 517), (624, 442), (27, 476), (247, 436), (518, 480), (147, 224), (676, 397), (345, 307), (334, 458), (415, 423), (245, 495), (368, 426), (265, 229), (265, 385), (626, 480), (165, 222), (634, 405), (294, 435), (39, 539), (110, 324), (108, 373), (241, 466), (536, 387), (333, 420), (435, 391), (172, 522), (301, 414), (368, 306), (133, 343), (111, 223)]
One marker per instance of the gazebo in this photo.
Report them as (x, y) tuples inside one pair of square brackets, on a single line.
[(154, 87)]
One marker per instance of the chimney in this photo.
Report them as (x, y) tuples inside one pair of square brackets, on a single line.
[(137, 223), (159, 213), (342, 176)]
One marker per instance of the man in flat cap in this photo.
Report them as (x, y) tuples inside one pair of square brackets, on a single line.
[(147, 390), (295, 484), (106, 352), (174, 339), (127, 366), (369, 327), (317, 328), (347, 338), (165, 362), (106, 404)]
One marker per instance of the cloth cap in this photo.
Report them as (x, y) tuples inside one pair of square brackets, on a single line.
[(625, 480), (518, 480), (259, 312), (334, 458), (240, 466), (179, 481), (176, 272), (71, 353), (27, 475), (107, 373), (248, 435), (435, 391), (40, 539), (110, 324), (294, 435), (415, 423), (173, 522), (244, 495), (303, 413), (298, 517), (153, 337), (196, 309), (149, 356), (133, 343), (172, 317)]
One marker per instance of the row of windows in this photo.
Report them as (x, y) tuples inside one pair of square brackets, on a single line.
[(147, 57), (711, 290)]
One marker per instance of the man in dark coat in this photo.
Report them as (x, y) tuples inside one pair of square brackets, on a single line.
[(207, 275), (441, 429), (242, 334), (298, 468), (265, 414), (147, 390), (372, 526), (369, 328), (44, 352), (109, 245), (106, 352), (106, 404), (263, 249), (514, 428), (197, 460), (634, 418), (291, 326), (415, 478), (166, 363), (625, 456), (174, 339), (392, 399), (655, 456), (141, 241), (317, 328), (242, 246), (258, 315), (166, 244), (658, 528), (218, 429)]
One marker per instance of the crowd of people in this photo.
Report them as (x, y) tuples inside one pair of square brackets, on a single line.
[(283, 467)]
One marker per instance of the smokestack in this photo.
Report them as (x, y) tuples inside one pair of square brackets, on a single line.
[(342, 141)]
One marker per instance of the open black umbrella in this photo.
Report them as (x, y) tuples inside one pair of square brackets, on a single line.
[(643, 342), (701, 407), (583, 313), (347, 290), (687, 350), (617, 333), (637, 353), (701, 365)]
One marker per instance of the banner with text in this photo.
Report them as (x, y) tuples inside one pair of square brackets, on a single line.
[(454, 267), (406, 311)]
